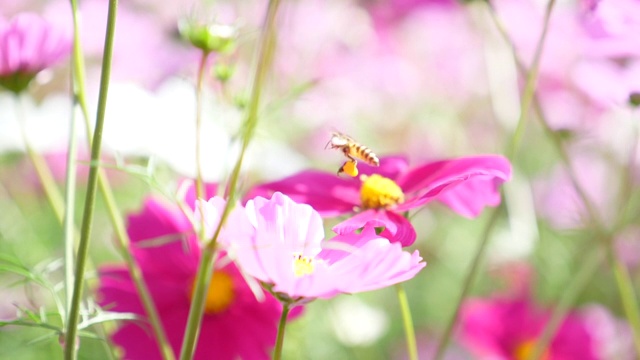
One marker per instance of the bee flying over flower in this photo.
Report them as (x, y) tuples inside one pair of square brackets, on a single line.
[(354, 151)]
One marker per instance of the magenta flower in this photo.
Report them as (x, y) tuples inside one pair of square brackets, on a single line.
[(235, 324), (285, 250), (466, 185), (28, 45), (507, 329)]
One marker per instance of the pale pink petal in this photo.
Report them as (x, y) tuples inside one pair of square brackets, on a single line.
[(29, 44), (376, 265)]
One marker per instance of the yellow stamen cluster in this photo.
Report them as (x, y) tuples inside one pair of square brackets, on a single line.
[(220, 294), (525, 349), (378, 192), (302, 265)]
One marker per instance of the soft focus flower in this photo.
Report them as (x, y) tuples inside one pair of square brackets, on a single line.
[(560, 203), (235, 324), (28, 45), (382, 194), (285, 250), (508, 328)]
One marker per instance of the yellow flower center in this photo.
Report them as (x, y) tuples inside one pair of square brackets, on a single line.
[(220, 294), (302, 265), (525, 350), (379, 192)]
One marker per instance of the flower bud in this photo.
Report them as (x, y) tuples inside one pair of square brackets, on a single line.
[(215, 37)]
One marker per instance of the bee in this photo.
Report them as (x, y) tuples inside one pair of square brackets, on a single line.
[(354, 151)]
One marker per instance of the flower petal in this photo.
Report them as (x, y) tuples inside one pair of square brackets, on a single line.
[(466, 184), (390, 167), (377, 264), (162, 238), (327, 193), (396, 227)]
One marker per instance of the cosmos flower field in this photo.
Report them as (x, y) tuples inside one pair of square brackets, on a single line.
[(320, 179)]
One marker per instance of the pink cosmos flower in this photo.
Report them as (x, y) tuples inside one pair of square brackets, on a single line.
[(466, 185), (284, 249), (507, 328), (235, 324), (28, 45)]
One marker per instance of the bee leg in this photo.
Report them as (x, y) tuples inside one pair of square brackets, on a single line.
[(350, 168)]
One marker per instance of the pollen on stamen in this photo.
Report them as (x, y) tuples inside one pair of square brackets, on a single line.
[(302, 265), (379, 192)]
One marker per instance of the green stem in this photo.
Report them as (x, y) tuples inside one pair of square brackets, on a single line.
[(206, 266), (85, 232), (569, 296), (200, 192), (114, 213), (69, 210), (407, 321), (277, 352), (627, 295), (530, 85), (200, 76), (134, 270), (43, 172), (469, 279)]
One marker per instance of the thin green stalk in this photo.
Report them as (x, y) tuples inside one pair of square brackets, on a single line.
[(530, 85), (621, 274), (42, 169), (407, 321), (114, 213), (200, 76), (69, 210), (206, 266), (469, 279), (85, 232), (580, 281), (277, 352), (134, 270), (627, 295)]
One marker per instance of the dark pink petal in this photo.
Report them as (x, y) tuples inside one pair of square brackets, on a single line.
[(210, 190), (137, 342), (469, 198), (497, 327), (117, 291), (390, 167), (396, 227), (481, 173), (162, 238), (327, 193)]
